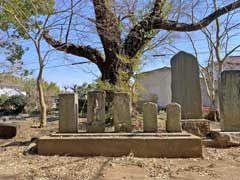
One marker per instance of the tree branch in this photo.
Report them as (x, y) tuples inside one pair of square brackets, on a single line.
[(108, 27), (83, 51), (137, 36), (158, 23)]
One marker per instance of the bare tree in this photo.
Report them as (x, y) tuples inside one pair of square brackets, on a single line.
[(218, 37), (31, 26), (11, 55), (121, 50)]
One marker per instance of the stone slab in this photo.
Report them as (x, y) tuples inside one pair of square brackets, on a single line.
[(209, 143), (198, 127), (68, 112), (96, 111), (149, 145), (122, 112), (150, 117), (223, 139), (173, 118)]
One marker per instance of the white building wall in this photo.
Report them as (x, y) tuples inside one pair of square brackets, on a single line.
[(156, 83)]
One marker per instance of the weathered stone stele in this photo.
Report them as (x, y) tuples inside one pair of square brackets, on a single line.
[(173, 118), (96, 111), (230, 100), (122, 112), (185, 85), (150, 117), (68, 113)]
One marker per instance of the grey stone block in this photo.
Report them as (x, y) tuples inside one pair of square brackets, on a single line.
[(96, 111), (230, 100), (150, 117), (148, 145), (68, 113), (173, 118), (122, 112)]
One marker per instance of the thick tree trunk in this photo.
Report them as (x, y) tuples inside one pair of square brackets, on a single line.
[(112, 69), (109, 72), (43, 107), (215, 111), (220, 69)]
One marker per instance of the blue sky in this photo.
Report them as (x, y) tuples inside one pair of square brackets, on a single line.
[(78, 74)]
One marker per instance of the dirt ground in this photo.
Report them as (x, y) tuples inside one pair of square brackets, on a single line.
[(220, 164)]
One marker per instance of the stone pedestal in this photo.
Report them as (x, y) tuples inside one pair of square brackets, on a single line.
[(68, 113), (185, 85), (150, 117), (173, 118), (147, 145), (96, 111), (122, 112), (230, 100), (199, 127)]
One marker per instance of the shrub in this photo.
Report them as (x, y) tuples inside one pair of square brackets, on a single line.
[(16, 104), (3, 98)]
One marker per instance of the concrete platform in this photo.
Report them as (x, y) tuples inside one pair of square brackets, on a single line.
[(150, 145)]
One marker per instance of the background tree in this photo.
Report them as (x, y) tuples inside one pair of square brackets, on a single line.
[(11, 55), (28, 19), (50, 89), (218, 37)]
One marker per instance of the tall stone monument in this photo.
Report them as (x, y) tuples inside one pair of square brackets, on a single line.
[(68, 113), (96, 111), (185, 85), (230, 100)]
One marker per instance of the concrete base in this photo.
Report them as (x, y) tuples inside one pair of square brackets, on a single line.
[(209, 143), (224, 139), (198, 127), (150, 145)]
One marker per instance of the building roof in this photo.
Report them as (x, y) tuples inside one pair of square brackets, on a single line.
[(10, 85), (232, 60), (155, 70)]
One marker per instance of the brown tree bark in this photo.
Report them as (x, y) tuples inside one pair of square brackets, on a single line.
[(43, 107)]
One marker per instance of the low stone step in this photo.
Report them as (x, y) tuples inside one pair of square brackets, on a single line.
[(156, 145)]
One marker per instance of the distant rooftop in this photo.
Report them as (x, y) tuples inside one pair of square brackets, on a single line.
[(7, 85), (154, 70), (233, 60)]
